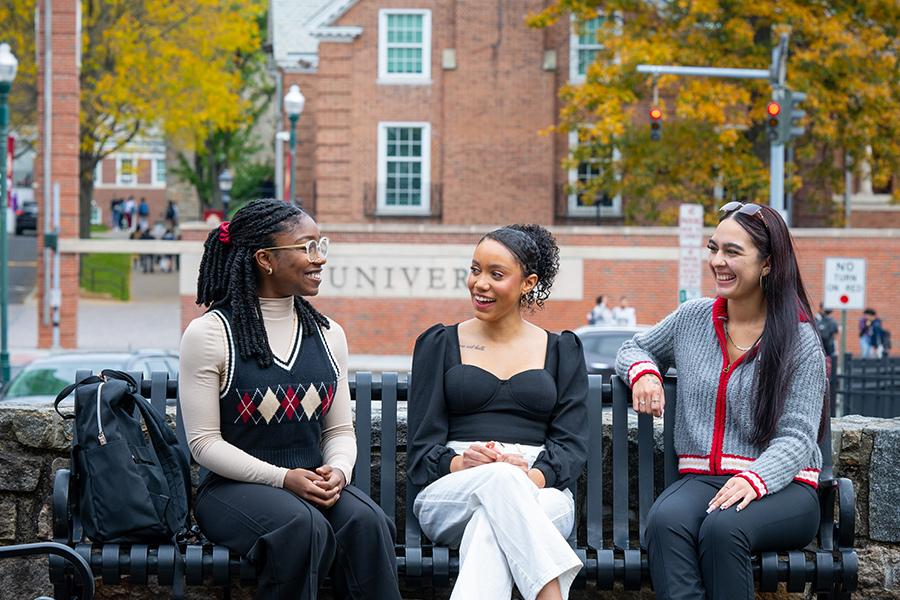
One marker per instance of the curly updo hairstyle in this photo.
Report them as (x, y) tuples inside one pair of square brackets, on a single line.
[(537, 253), (228, 274)]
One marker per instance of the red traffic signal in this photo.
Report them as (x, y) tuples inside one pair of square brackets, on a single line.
[(773, 108), (655, 124)]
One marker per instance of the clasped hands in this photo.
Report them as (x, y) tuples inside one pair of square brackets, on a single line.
[(477, 455), (321, 487)]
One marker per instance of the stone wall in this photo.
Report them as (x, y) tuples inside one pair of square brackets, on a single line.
[(34, 445)]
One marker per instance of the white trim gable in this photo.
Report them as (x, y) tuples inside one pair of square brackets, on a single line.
[(322, 28)]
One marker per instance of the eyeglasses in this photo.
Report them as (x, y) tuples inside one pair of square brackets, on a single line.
[(315, 249), (748, 209)]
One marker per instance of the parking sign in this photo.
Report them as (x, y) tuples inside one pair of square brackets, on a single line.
[(845, 283)]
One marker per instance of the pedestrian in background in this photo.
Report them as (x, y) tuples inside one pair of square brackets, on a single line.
[(623, 315), (600, 314), (751, 406), (871, 334), (827, 328)]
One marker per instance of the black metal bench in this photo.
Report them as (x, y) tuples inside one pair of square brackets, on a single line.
[(608, 541)]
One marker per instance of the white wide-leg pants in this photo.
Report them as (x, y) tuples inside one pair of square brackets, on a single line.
[(507, 529)]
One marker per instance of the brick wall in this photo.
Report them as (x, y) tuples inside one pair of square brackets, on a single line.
[(487, 151), (390, 325), (64, 161)]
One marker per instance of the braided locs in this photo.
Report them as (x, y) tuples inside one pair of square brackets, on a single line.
[(228, 274)]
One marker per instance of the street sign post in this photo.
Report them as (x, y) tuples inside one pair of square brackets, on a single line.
[(690, 238), (845, 289)]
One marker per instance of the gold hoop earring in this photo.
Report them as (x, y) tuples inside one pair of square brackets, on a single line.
[(270, 271)]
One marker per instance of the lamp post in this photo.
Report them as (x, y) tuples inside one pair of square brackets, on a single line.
[(8, 66), (225, 182), (293, 106)]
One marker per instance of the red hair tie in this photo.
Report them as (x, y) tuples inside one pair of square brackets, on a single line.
[(224, 235)]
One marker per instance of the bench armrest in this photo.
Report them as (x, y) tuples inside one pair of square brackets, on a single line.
[(846, 524), (842, 527), (62, 513)]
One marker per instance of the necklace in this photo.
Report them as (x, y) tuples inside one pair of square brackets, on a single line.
[(730, 339)]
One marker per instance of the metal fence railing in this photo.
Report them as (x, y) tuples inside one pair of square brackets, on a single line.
[(867, 386)]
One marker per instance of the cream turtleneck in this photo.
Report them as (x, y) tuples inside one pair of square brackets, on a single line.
[(204, 360)]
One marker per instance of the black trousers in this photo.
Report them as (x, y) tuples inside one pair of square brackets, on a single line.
[(295, 545), (697, 555)]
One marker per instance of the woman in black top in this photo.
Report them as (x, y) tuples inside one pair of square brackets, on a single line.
[(498, 427)]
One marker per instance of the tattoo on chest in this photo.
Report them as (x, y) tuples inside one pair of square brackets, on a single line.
[(472, 346)]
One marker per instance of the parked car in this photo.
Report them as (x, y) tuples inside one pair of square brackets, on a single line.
[(601, 343), (42, 379), (26, 217)]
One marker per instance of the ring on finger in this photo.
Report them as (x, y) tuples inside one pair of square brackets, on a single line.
[(642, 402)]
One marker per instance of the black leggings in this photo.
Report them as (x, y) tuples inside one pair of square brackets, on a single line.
[(294, 545), (697, 555)]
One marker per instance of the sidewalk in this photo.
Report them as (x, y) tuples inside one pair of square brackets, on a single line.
[(153, 321)]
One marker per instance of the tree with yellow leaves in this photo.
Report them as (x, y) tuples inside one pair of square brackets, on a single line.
[(843, 55), (173, 66)]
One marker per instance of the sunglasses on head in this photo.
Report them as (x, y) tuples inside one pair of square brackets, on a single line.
[(748, 209)]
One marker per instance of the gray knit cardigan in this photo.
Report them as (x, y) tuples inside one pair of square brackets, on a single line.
[(713, 416)]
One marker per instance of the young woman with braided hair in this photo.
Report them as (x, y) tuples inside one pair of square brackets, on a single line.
[(266, 406), (751, 407), (498, 427)]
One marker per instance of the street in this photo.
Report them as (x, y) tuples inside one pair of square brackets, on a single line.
[(22, 266)]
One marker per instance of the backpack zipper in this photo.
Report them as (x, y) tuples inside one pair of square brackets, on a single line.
[(101, 437)]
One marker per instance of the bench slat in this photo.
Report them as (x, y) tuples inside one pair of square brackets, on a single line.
[(362, 471), (620, 464), (388, 492), (646, 471), (594, 508), (669, 457)]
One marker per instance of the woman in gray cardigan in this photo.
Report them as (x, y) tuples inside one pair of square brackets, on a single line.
[(751, 403)]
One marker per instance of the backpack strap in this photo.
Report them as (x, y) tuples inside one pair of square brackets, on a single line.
[(170, 458), (69, 389)]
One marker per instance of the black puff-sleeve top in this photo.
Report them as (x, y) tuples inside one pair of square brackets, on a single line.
[(449, 400)]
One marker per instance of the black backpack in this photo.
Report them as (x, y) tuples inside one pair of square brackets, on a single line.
[(129, 490)]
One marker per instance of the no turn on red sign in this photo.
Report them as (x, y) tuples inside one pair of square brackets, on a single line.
[(845, 283)]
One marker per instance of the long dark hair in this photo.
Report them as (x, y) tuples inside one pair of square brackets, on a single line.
[(536, 251), (786, 304), (228, 274)]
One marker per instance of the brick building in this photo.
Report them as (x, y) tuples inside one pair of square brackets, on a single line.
[(422, 130), (431, 111), (138, 169)]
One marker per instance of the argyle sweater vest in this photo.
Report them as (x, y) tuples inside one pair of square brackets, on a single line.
[(275, 414)]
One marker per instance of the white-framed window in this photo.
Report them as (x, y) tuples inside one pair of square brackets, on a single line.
[(126, 170), (98, 173), (404, 168), (583, 47), (581, 206), (404, 46), (159, 171)]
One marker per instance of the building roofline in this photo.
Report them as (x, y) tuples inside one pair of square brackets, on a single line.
[(322, 27)]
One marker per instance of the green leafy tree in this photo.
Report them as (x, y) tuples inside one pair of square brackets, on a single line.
[(843, 55), (232, 145), (174, 66)]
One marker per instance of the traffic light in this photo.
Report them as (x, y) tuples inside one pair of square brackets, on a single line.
[(655, 124), (773, 122), (793, 115)]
